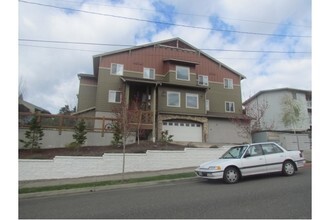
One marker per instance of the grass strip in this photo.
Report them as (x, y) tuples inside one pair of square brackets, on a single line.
[(106, 183)]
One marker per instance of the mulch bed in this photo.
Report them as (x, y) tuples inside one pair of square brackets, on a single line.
[(95, 150)]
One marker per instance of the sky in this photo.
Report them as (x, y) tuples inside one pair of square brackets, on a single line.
[(268, 41), (46, 73)]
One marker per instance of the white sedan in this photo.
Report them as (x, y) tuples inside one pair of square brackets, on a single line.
[(251, 159)]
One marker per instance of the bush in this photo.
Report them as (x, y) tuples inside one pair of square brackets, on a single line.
[(33, 135), (165, 137), (80, 133), (214, 146), (117, 140), (72, 145)]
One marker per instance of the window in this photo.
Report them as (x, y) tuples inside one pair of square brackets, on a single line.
[(182, 73), (228, 83), (255, 150), (114, 96), (235, 152), (203, 80), (191, 100), (230, 106), (117, 69), (173, 99), (271, 149), (148, 73), (294, 95)]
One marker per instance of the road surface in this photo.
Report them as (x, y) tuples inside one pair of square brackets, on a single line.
[(266, 196)]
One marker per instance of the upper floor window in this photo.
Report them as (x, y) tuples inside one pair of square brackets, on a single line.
[(148, 73), (230, 106), (228, 83), (203, 80), (114, 96), (192, 100), (173, 99), (182, 73), (117, 69), (294, 95)]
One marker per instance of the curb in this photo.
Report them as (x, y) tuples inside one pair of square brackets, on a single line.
[(99, 188)]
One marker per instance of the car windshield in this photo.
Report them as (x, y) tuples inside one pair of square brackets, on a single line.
[(234, 152)]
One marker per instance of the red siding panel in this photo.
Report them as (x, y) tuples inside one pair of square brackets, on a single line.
[(154, 56)]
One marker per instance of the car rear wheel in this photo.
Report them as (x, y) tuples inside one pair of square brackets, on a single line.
[(288, 168), (231, 175)]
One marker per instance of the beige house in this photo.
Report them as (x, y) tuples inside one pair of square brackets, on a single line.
[(180, 88), (278, 131)]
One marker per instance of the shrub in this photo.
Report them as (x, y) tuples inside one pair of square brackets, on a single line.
[(117, 139), (165, 137), (33, 135), (80, 133), (214, 146), (72, 145)]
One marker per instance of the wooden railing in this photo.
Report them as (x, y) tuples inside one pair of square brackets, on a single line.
[(142, 119)]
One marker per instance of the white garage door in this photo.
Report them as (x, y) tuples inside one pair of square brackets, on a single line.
[(184, 131)]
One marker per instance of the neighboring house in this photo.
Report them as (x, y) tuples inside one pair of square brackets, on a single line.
[(24, 106), (187, 92), (272, 127)]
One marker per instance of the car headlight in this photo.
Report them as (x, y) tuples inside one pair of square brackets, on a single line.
[(214, 168)]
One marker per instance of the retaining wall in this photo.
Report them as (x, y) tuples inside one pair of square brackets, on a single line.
[(111, 163)]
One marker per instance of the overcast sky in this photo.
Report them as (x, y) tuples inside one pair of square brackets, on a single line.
[(268, 41)]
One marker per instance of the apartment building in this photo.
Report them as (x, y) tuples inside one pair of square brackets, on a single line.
[(178, 87)]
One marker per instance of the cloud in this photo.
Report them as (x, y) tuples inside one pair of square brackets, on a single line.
[(49, 70)]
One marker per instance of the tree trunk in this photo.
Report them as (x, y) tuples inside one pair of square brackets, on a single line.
[(124, 152)]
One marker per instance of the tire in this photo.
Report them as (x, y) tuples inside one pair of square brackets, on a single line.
[(231, 175), (288, 168)]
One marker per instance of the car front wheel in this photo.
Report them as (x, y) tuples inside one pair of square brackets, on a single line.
[(288, 168), (231, 175)]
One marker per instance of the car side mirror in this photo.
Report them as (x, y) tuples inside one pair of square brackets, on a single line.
[(247, 154)]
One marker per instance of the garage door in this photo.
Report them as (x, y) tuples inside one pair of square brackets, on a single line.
[(184, 131)]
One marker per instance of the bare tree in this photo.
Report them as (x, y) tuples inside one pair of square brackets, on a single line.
[(291, 114), (126, 122), (21, 87), (253, 119)]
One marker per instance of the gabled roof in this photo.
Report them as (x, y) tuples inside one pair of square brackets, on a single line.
[(27, 106), (273, 91), (179, 41)]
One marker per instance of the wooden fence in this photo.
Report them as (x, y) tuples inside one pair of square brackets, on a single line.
[(140, 119)]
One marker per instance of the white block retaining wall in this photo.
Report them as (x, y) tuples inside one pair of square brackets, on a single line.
[(111, 163)]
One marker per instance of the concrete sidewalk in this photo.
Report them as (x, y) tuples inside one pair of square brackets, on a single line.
[(57, 182), (132, 175)]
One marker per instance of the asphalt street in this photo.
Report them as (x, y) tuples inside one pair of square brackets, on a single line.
[(266, 196)]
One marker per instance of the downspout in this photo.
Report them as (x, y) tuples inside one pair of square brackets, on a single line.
[(154, 114)]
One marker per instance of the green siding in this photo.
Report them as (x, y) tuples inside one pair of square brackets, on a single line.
[(106, 82), (218, 95), (171, 78), (86, 97), (162, 101)]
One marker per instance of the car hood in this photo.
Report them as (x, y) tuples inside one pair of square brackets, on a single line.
[(217, 162)]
